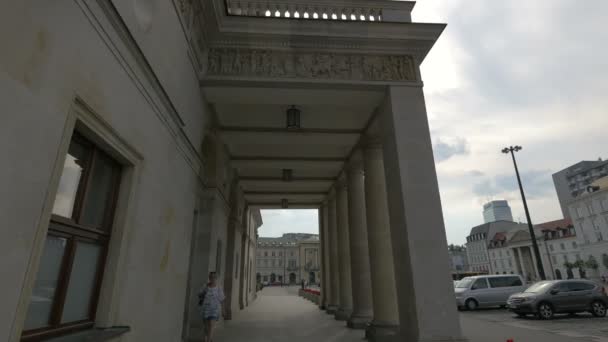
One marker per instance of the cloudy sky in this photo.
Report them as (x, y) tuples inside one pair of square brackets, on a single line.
[(532, 73)]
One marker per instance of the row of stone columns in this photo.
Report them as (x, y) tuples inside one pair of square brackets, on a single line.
[(385, 252), (366, 296)]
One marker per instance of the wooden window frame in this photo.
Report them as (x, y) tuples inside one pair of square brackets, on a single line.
[(73, 231)]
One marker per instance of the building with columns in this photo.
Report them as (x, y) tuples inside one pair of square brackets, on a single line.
[(289, 259), (140, 140), (479, 239), (511, 252)]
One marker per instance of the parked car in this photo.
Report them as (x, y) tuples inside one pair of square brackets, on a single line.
[(547, 298), (487, 290)]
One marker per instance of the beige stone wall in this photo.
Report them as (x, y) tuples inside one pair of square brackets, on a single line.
[(52, 53)]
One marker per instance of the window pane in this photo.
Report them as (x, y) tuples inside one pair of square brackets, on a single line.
[(515, 281), (70, 178), (45, 287), (580, 287), (497, 282), (480, 284), (98, 193), (82, 282)]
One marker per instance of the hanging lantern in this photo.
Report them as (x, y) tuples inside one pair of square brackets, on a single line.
[(293, 118)]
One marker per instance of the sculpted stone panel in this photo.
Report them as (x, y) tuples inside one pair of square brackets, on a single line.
[(260, 63)]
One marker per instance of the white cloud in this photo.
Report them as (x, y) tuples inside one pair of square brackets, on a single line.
[(280, 221), (503, 73)]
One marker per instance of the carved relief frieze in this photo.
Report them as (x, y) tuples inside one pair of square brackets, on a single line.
[(263, 63)]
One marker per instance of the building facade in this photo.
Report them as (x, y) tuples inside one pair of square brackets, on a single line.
[(140, 139), (479, 240), (289, 259), (497, 211), (589, 212), (459, 262), (574, 180), (511, 252)]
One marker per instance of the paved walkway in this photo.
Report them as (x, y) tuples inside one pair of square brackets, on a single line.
[(278, 314), (495, 325)]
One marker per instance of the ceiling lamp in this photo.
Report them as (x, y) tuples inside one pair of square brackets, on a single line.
[(287, 175), (293, 118), (284, 203)]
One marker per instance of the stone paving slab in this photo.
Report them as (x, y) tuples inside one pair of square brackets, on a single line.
[(278, 314)]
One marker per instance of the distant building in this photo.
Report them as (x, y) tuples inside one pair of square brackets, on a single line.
[(573, 181), (589, 212), (512, 253), (478, 241), (458, 259), (560, 249), (497, 211), (289, 259)]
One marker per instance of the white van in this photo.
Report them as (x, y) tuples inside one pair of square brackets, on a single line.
[(487, 290)]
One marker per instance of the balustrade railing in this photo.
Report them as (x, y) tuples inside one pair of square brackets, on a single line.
[(344, 10)]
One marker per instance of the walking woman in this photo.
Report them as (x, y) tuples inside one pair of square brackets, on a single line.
[(211, 299)]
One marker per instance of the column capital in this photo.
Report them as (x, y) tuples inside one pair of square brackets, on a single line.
[(355, 163), (371, 141)]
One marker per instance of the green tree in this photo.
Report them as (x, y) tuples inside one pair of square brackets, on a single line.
[(580, 264), (592, 263)]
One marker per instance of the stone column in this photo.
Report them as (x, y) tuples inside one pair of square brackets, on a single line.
[(332, 244), (425, 291), (385, 323), (522, 264), (345, 305), (359, 251), (536, 274), (325, 288)]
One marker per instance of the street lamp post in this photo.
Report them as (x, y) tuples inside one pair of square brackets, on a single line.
[(539, 262)]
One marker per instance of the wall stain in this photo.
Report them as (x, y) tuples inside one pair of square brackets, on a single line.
[(168, 216), (33, 63), (165, 259)]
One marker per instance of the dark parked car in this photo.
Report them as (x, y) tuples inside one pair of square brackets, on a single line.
[(547, 298)]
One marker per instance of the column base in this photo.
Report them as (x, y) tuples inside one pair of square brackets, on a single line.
[(331, 309), (342, 314), (378, 332), (358, 322)]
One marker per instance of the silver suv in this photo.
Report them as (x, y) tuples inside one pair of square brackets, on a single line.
[(547, 298), (486, 291)]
